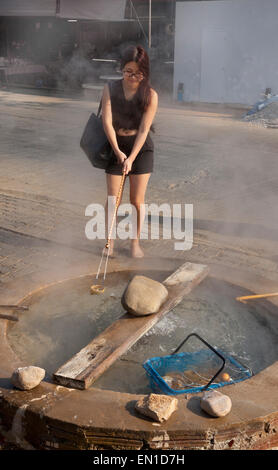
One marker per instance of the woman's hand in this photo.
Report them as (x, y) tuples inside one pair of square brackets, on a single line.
[(127, 165), (121, 157)]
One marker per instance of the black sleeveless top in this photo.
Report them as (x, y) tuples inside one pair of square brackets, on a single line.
[(126, 114)]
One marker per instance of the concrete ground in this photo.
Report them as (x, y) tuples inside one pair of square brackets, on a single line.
[(204, 155)]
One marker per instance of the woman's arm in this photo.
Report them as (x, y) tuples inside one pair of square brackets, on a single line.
[(145, 125), (107, 124)]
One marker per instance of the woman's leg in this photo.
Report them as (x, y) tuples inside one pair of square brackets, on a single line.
[(138, 187), (113, 185)]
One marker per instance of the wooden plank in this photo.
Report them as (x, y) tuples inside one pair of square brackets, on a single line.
[(90, 363)]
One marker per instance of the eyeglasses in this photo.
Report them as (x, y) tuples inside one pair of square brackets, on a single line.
[(137, 75)]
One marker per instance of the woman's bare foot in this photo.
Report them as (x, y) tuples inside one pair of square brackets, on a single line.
[(136, 250)]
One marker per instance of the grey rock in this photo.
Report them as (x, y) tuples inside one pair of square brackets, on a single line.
[(26, 378), (216, 404), (157, 407), (143, 296)]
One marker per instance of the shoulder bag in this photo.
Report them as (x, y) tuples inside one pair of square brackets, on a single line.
[(94, 141)]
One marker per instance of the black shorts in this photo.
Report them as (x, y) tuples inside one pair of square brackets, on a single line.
[(143, 163)]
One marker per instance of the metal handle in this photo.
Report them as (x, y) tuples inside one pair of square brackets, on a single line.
[(212, 349)]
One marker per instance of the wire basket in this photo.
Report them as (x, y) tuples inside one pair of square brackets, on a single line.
[(193, 372)]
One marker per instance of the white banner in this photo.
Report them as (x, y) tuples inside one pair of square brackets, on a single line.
[(107, 10), (27, 7)]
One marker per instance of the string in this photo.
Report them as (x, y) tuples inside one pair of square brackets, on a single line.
[(107, 246)]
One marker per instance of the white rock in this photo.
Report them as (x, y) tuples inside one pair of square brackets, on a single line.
[(26, 378), (216, 404), (143, 296), (157, 407)]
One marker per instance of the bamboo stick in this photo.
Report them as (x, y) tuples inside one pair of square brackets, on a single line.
[(257, 296), (16, 307), (8, 317)]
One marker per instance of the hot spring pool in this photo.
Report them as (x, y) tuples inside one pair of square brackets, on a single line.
[(64, 317)]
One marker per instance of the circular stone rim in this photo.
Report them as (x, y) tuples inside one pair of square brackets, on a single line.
[(59, 411)]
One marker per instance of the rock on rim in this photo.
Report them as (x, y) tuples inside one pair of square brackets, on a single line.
[(216, 404), (26, 378), (157, 407)]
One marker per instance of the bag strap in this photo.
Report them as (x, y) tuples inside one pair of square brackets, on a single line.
[(99, 108), (100, 104)]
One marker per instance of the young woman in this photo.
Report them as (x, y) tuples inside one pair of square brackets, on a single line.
[(128, 109)]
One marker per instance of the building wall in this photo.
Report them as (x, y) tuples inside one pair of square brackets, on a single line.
[(225, 50)]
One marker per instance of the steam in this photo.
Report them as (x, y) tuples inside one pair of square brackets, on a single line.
[(203, 156)]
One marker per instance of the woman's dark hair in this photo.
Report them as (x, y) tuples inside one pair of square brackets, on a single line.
[(139, 55)]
